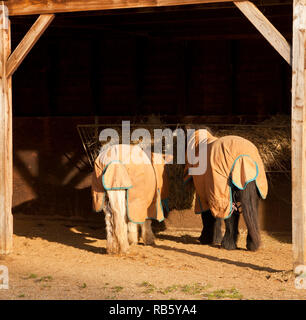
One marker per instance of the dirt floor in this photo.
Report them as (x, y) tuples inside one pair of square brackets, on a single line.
[(67, 260)]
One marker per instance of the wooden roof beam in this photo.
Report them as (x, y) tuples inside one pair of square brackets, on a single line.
[(32, 7)]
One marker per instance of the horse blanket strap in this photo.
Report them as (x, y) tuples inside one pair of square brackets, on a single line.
[(236, 207)]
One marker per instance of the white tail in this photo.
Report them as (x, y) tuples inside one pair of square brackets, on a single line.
[(116, 222), (120, 232)]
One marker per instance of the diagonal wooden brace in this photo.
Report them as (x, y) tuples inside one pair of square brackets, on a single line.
[(27, 43), (266, 28)]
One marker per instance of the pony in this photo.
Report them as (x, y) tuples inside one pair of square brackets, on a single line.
[(232, 184), (130, 193)]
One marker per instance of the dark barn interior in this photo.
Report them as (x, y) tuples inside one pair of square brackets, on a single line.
[(204, 64)]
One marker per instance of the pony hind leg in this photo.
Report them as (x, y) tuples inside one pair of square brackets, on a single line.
[(229, 241), (211, 232), (117, 201), (217, 238), (147, 233), (249, 199), (132, 233)]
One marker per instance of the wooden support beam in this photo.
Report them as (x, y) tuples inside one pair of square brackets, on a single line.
[(27, 43), (29, 7), (299, 133), (6, 152), (266, 28)]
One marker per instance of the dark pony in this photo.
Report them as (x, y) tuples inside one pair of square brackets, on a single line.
[(248, 200)]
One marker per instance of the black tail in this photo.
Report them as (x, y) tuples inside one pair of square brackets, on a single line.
[(249, 202)]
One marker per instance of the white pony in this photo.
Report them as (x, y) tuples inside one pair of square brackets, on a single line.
[(129, 193)]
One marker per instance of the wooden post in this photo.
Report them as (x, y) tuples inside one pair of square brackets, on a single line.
[(8, 64), (299, 133), (6, 172)]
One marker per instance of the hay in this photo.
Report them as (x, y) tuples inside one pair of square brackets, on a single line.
[(181, 196), (272, 137)]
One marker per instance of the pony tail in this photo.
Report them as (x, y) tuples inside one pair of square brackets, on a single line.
[(118, 220), (249, 201)]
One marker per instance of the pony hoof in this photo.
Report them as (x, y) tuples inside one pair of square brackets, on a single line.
[(132, 244), (217, 240), (117, 251), (205, 241), (251, 246), (228, 245), (149, 243)]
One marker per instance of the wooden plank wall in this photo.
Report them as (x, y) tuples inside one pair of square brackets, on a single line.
[(167, 77), (177, 62)]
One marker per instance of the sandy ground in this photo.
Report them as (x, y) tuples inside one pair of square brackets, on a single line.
[(67, 260)]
